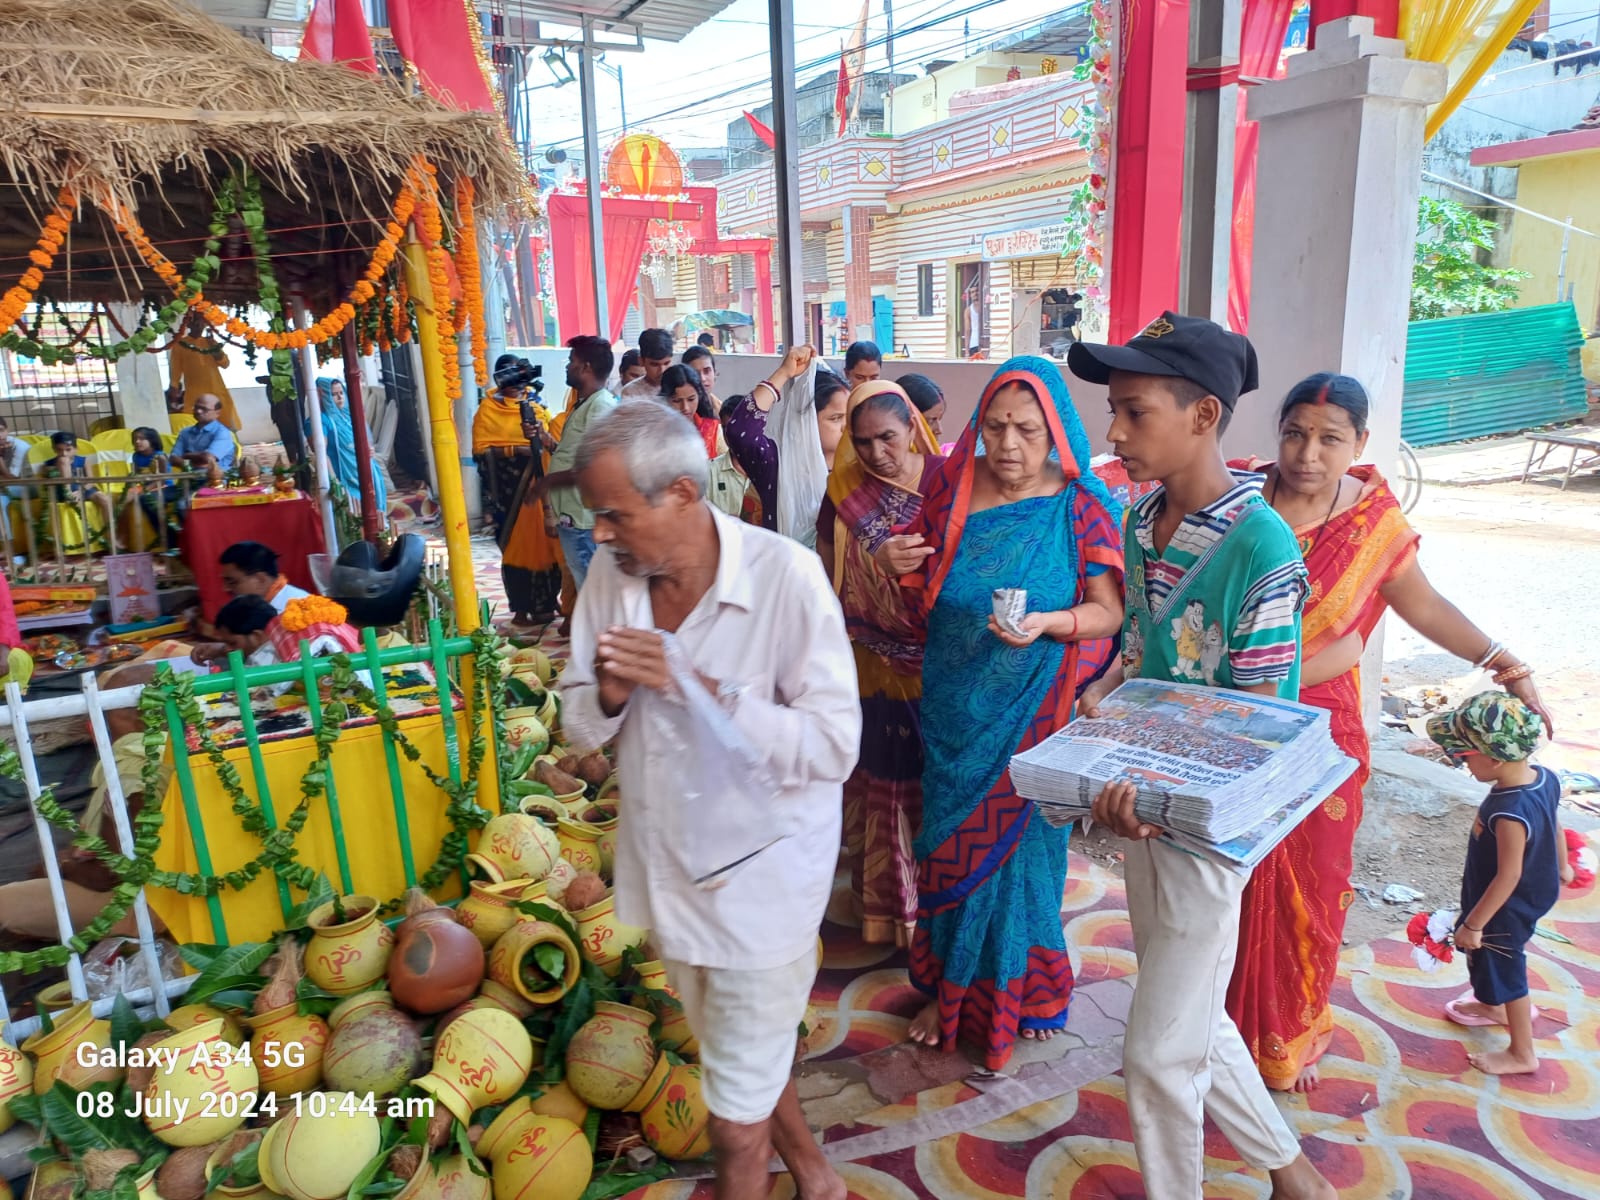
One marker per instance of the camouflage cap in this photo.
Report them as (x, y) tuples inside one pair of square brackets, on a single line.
[(1491, 723)]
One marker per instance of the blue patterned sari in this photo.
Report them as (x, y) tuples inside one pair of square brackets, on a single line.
[(989, 948)]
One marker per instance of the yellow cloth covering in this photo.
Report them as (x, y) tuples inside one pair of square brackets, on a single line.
[(200, 373), (371, 840)]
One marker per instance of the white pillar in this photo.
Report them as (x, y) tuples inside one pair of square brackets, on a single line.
[(140, 397), (1336, 222)]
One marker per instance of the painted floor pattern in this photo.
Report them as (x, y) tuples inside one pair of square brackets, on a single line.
[(1399, 1116)]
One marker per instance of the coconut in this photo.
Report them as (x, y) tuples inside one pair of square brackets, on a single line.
[(562, 783), (439, 1126), (183, 1175), (594, 768), (404, 1161), (375, 1053), (585, 891), (283, 985), (560, 878), (101, 1167)]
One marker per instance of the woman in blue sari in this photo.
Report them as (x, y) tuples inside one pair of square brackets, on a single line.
[(340, 433), (1014, 506)]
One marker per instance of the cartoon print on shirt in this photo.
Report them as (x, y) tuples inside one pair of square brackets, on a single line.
[(1211, 652), (1132, 648), (1188, 631)]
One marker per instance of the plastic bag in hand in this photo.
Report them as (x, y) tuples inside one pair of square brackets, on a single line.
[(802, 471)]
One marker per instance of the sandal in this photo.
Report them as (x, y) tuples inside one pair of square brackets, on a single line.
[(1454, 1012)]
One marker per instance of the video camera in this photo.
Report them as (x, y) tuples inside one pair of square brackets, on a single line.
[(519, 374)]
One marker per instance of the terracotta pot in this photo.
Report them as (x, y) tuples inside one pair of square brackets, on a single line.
[(482, 1059), (190, 1015), (454, 1179), (660, 999), (16, 1079), (547, 1159), (437, 963), (580, 845), (546, 810), (603, 818), (208, 1092), (483, 870), (524, 727), (348, 956), (602, 938), (55, 1053), (519, 845), (677, 1123), (317, 1154), (559, 1100), (513, 957), (611, 1056), (288, 1050), (488, 911), (373, 1048)]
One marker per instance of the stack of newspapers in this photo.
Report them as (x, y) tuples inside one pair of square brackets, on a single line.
[(1224, 774)]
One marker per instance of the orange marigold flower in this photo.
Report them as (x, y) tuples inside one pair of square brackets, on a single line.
[(300, 615), (39, 258)]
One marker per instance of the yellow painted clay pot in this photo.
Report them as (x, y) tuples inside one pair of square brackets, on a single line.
[(568, 799), (317, 1153), (373, 1047), (559, 1100), (580, 844), (523, 727), (512, 963), (454, 1179), (602, 938), (190, 1015), (348, 956), (676, 1121), (207, 1094), (56, 998), (534, 660), (547, 810), (146, 1185), (55, 1053), (547, 1159), (496, 996), (16, 1079), (51, 1178), (481, 869), (254, 1191), (611, 1056), (519, 845), (487, 909), (602, 816), (498, 1137), (287, 1049), (660, 999), (483, 1058)]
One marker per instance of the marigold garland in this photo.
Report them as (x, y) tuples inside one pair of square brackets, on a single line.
[(300, 615), (16, 300), (439, 279), (471, 275)]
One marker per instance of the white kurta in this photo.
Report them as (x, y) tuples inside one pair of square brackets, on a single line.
[(771, 629)]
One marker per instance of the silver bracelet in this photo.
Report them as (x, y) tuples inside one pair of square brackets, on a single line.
[(1494, 651)]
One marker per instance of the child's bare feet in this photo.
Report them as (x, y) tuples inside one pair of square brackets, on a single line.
[(1308, 1079), (1504, 1062), (925, 1026)]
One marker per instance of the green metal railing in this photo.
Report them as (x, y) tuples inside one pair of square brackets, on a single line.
[(438, 652)]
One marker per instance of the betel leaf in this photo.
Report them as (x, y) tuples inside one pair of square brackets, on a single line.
[(610, 1187), (126, 1027), (230, 969), (240, 1171), (520, 695), (126, 1187), (551, 959), (368, 1174), (59, 1109)]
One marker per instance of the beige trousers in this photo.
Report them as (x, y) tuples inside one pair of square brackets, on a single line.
[(1182, 1056)]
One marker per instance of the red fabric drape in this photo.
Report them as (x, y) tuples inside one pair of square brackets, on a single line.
[(569, 249), (1266, 24), (337, 33), (762, 131), (433, 36)]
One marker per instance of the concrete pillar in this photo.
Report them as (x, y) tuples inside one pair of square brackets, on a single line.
[(1208, 159), (140, 398), (1336, 214), (858, 273)]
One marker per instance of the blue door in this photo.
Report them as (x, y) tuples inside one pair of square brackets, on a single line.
[(883, 323)]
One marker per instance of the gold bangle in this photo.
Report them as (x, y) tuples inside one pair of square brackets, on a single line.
[(1512, 674)]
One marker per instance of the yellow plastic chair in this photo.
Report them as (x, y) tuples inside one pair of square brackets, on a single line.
[(105, 425), (67, 515), (114, 439), (180, 421)]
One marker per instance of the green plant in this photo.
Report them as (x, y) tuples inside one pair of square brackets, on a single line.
[(1448, 277)]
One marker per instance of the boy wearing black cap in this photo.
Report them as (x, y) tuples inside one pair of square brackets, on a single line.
[(1215, 583)]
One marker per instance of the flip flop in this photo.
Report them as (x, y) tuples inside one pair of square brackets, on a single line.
[(1454, 1012)]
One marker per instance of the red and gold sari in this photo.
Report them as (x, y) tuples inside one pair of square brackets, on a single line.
[(1292, 920)]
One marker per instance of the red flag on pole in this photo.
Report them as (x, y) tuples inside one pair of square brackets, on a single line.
[(855, 57), (841, 96), (336, 32), (762, 131), (433, 36)]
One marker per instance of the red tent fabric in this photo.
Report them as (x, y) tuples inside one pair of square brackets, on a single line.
[(433, 36), (762, 131), (569, 249), (336, 32), (1266, 24)]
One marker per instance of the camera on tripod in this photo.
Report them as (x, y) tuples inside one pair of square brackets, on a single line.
[(519, 374)]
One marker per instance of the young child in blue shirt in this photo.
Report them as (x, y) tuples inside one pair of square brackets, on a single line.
[(1515, 865)]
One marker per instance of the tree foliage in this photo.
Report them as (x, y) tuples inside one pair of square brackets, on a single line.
[(1449, 277)]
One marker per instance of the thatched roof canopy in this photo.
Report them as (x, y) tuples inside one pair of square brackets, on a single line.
[(158, 103)]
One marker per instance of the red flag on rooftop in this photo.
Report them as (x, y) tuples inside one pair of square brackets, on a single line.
[(841, 96), (434, 37), (761, 131), (852, 67), (336, 32)]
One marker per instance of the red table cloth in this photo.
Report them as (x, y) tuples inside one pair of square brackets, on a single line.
[(291, 527)]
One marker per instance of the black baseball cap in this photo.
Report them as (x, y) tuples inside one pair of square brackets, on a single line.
[(1192, 348)]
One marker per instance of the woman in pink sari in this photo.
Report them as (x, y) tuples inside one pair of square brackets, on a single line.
[(875, 491)]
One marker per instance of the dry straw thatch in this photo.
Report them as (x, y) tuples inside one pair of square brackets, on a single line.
[(157, 102)]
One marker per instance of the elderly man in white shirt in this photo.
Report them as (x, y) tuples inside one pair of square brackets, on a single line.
[(762, 633)]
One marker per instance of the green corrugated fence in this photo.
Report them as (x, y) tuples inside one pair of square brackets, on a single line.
[(1504, 372)]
